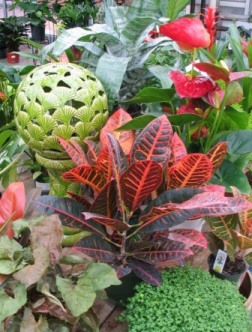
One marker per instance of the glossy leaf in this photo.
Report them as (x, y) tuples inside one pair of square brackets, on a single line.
[(152, 95), (146, 272), (154, 142), (74, 151), (104, 163), (139, 181), (89, 175), (69, 211), (115, 224), (215, 72), (238, 142), (175, 7), (217, 154), (178, 148), (223, 226), (192, 170), (105, 202), (116, 120), (191, 237), (93, 151), (244, 242), (97, 248), (140, 122)]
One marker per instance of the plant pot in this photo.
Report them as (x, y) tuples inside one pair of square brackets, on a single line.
[(12, 57), (38, 33), (121, 293), (43, 186), (233, 271), (245, 288)]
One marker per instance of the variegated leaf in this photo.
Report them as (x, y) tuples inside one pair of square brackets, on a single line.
[(115, 224), (90, 175), (93, 151), (154, 142), (74, 151), (191, 237), (217, 154), (192, 170), (244, 242), (223, 226), (104, 162), (124, 137), (178, 149), (105, 202), (97, 248), (146, 272), (139, 181)]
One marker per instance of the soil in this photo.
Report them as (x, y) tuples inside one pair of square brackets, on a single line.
[(231, 267)]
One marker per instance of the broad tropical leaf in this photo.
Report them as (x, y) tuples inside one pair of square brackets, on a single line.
[(165, 250), (146, 272), (115, 224), (215, 72), (97, 248), (192, 170), (178, 149), (89, 175), (244, 242), (175, 7), (125, 138), (93, 151), (154, 142), (82, 199), (139, 181), (69, 211), (191, 237), (75, 151), (105, 202), (104, 163), (217, 154)]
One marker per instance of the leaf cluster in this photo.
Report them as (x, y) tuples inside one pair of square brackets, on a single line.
[(189, 299), (12, 28)]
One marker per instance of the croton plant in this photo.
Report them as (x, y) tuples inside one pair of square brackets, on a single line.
[(136, 188)]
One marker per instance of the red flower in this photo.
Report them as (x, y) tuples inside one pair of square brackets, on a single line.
[(210, 20), (12, 206), (191, 87), (189, 33), (202, 133), (215, 97), (152, 34)]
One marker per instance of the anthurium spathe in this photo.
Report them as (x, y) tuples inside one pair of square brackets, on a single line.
[(188, 33), (12, 207), (191, 87)]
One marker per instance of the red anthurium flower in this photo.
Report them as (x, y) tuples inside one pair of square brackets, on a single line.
[(214, 97), (12, 206), (191, 87), (191, 108), (189, 33), (202, 133)]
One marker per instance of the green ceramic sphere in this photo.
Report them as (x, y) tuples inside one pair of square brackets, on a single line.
[(59, 99)]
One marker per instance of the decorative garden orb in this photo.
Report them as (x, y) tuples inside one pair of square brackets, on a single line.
[(59, 100)]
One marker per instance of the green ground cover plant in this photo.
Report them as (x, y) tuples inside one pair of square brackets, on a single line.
[(188, 300)]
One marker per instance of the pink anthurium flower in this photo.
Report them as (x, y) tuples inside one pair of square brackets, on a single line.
[(188, 33), (191, 87), (12, 207)]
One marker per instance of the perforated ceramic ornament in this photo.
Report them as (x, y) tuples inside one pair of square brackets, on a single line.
[(59, 99)]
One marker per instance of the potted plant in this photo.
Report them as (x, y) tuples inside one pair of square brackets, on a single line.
[(13, 28), (189, 299), (37, 14), (233, 235), (41, 281), (136, 191)]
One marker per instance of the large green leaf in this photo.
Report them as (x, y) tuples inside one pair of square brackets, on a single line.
[(110, 71), (140, 8), (152, 95), (102, 275), (10, 255), (175, 7), (161, 73), (239, 142), (9, 305), (229, 175), (78, 298), (240, 118)]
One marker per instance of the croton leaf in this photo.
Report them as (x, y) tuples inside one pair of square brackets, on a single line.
[(74, 151), (215, 72), (93, 151), (90, 175), (164, 250), (191, 237), (245, 217), (192, 170), (139, 181), (243, 241), (97, 248), (154, 142), (105, 202), (81, 199), (104, 163), (146, 272), (115, 224), (69, 211), (217, 154), (125, 138), (178, 148)]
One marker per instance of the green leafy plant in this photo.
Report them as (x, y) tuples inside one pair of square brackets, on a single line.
[(13, 27), (41, 283), (188, 300), (136, 190)]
